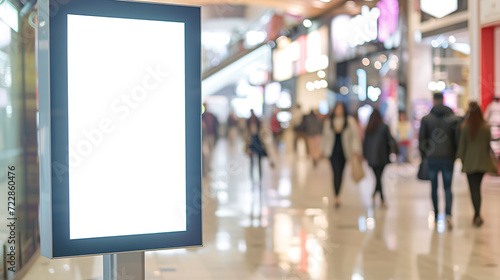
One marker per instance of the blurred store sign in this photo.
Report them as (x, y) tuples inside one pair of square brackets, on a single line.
[(272, 93), (284, 60), (307, 54), (362, 84), (389, 28), (374, 93), (440, 8), (285, 100), (489, 11), (379, 24), (254, 38), (388, 20), (317, 50), (451, 99), (364, 27)]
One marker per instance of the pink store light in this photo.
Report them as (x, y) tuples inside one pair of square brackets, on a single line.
[(388, 20)]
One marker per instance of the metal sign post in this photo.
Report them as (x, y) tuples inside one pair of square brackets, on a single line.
[(124, 266)]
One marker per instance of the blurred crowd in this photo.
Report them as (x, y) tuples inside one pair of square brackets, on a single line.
[(339, 137)]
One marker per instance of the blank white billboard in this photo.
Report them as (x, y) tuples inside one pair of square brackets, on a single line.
[(126, 126)]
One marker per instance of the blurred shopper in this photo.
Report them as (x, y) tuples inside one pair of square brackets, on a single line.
[(438, 145), (204, 149), (492, 113), (276, 127), (404, 135), (211, 133), (475, 152), (377, 148), (255, 147), (313, 129), (232, 127), (340, 143), (296, 124)]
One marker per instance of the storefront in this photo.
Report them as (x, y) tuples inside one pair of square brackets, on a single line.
[(368, 51), (239, 87), (300, 65), (490, 67), (441, 55)]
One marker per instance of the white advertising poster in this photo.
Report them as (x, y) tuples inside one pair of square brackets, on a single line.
[(126, 122)]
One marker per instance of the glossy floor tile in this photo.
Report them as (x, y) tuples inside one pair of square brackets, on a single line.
[(288, 228)]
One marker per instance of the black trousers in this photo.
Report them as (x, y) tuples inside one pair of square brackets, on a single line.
[(475, 180), (378, 170), (258, 158), (338, 165)]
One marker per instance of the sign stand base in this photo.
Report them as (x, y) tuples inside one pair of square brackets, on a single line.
[(124, 266)]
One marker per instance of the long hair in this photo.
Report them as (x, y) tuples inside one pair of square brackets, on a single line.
[(332, 116), (374, 122), (474, 119)]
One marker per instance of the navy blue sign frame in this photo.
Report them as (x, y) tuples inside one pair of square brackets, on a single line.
[(53, 126)]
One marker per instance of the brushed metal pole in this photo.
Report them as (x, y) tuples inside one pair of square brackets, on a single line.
[(124, 266)]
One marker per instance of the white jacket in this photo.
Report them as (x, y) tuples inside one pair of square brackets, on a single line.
[(351, 142)]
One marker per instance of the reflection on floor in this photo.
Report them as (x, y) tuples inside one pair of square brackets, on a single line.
[(287, 228)]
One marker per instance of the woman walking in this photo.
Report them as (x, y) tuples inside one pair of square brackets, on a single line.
[(340, 143), (377, 147), (474, 151), (255, 144)]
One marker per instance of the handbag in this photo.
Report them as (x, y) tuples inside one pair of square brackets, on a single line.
[(423, 170), (494, 163), (357, 169)]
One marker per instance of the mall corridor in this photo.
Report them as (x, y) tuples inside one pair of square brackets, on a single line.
[(291, 230)]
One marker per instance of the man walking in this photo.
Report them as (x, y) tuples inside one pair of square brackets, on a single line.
[(438, 144)]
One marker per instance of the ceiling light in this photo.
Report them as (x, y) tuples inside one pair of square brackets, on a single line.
[(283, 42), (438, 9), (321, 74), (307, 23), (440, 85), (434, 44), (393, 64), (310, 86), (377, 65), (325, 1), (452, 39), (366, 61), (432, 86)]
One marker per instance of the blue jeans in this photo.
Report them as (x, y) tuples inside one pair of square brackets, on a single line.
[(446, 168)]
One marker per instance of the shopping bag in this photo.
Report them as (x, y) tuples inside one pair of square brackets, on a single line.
[(493, 169), (357, 169)]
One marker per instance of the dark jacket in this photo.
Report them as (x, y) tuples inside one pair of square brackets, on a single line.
[(312, 125), (438, 134), (378, 145)]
